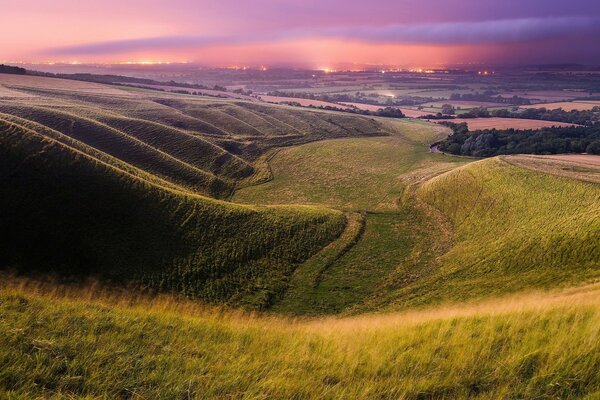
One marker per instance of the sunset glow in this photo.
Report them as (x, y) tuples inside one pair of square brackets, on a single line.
[(312, 33)]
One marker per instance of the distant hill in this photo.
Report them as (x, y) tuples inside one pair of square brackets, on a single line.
[(8, 69), (202, 144)]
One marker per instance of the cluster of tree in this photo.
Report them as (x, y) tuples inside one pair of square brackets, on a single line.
[(9, 69), (448, 112), (311, 96), (490, 97), (579, 117), (488, 143), (243, 92)]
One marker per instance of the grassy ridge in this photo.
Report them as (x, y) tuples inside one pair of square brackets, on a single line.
[(514, 229), (533, 346), (126, 148), (204, 145), (64, 211)]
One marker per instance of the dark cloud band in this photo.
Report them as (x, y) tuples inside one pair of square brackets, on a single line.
[(480, 32)]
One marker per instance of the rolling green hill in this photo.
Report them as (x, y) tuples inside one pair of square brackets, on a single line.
[(515, 229), (204, 145), (484, 229), (66, 212)]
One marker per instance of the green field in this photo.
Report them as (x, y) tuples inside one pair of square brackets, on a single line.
[(368, 176), (175, 246)]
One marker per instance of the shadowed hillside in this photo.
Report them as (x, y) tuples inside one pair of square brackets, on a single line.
[(64, 211)]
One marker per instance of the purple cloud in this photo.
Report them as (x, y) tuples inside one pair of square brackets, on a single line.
[(479, 32)]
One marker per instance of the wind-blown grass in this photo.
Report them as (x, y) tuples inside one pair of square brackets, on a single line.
[(87, 343), (514, 229)]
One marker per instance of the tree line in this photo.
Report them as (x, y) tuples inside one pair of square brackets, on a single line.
[(493, 142), (579, 117), (9, 69)]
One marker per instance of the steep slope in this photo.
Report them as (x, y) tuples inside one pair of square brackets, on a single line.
[(65, 211), (151, 151), (514, 228)]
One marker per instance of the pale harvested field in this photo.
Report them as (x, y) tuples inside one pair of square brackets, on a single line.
[(208, 92), (302, 102), (362, 106), (16, 82), (578, 166), (507, 123), (6, 93), (567, 105), (414, 113)]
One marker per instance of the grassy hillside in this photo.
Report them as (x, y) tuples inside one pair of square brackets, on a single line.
[(66, 212), (55, 343), (109, 183), (350, 174), (204, 145), (514, 229), (483, 229)]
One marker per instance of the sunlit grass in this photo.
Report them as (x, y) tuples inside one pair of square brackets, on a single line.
[(63, 342)]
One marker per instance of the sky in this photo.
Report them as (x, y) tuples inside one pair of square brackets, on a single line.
[(313, 33)]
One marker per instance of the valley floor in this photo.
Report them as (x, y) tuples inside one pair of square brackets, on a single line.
[(435, 227)]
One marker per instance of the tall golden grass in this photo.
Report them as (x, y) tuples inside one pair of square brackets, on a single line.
[(89, 341)]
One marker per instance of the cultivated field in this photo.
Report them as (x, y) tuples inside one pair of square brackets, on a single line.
[(302, 102), (567, 105), (577, 166), (207, 92), (547, 96), (22, 83), (475, 124), (406, 111)]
